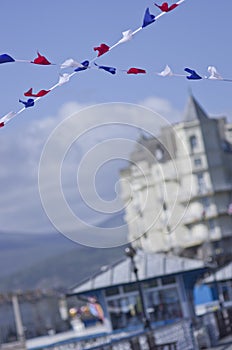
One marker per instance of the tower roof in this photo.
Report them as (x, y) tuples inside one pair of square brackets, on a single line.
[(194, 111)]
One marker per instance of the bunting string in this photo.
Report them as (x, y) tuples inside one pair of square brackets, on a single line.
[(103, 48), (100, 50)]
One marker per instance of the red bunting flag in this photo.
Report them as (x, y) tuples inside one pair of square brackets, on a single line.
[(136, 71), (41, 60), (165, 8), (41, 93), (103, 48)]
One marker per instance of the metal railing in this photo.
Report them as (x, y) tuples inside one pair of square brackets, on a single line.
[(145, 341), (175, 336)]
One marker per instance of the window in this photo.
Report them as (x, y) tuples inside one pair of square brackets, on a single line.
[(150, 284), (205, 202), (163, 305), (197, 162), (226, 290), (130, 288), (193, 142), (168, 280), (211, 225), (225, 293), (201, 182), (125, 312), (112, 291)]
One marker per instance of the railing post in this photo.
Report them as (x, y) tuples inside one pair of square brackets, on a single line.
[(135, 345), (151, 340)]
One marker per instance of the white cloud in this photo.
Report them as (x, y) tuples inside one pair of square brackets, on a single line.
[(163, 107), (21, 151)]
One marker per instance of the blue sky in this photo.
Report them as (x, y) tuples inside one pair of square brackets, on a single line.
[(195, 35)]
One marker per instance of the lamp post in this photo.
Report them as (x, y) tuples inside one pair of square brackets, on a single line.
[(131, 252), (18, 321)]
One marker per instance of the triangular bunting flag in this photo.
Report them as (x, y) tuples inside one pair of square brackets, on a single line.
[(70, 63), (126, 36), (166, 72), (193, 75), (214, 73), (165, 8), (84, 66), (29, 103), (4, 58), (136, 71), (7, 118), (111, 70), (41, 60), (63, 78), (41, 93), (103, 48), (148, 18)]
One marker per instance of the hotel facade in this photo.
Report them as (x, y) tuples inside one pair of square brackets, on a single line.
[(178, 188)]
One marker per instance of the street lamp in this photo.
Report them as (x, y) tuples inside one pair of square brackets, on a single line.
[(131, 252), (18, 321)]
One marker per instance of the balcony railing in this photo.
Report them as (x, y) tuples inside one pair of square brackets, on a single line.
[(223, 187), (204, 215), (195, 194)]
